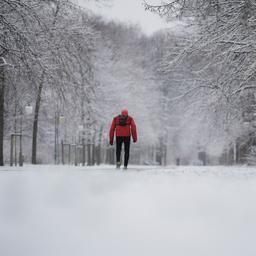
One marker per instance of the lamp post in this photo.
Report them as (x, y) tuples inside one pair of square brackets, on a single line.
[(58, 119), (56, 139), (20, 154), (81, 130), (28, 111)]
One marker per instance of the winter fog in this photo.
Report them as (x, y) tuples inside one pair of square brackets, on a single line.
[(185, 72), (127, 127)]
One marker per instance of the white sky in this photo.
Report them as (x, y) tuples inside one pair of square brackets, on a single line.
[(129, 11)]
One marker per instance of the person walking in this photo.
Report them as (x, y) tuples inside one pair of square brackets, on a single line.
[(123, 126)]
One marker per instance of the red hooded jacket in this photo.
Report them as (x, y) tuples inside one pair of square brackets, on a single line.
[(127, 130)]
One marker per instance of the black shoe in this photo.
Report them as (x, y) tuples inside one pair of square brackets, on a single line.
[(125, 168)]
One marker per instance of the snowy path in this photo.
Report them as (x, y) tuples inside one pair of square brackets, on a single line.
[(176, 211)]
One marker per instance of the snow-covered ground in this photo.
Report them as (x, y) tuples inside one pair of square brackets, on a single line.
[(151, 211)]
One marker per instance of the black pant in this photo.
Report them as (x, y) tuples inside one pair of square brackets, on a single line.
[(119, 141)]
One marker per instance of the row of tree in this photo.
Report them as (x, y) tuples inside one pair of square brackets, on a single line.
[(211, 74), (190, 90), (49, 45), (77, 72)]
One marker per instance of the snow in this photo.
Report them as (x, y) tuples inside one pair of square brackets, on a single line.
[(95, 211)]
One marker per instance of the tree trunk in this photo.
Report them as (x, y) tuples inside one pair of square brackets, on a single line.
[(93, 149), (93, 154), (98, 151), (2, 87), (89, 160), (35, 123)]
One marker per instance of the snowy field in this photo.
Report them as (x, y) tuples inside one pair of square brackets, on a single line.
[(151, 211)]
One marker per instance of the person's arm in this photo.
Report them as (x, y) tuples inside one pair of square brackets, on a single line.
[(112, 132), (134, 131)]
